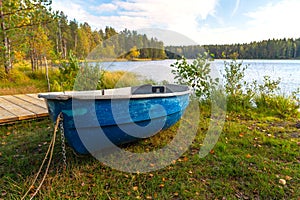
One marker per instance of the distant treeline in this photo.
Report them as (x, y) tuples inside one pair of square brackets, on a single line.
[(126, 44), (266, 49)]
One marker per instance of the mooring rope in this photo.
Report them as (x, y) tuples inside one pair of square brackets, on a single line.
[(50, 149)]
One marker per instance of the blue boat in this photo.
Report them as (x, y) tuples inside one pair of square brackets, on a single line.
[(98, 119)]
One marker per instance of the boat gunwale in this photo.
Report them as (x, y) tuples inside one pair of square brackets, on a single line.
[(110, 94)]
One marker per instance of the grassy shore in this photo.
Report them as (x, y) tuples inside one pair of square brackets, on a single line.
[(254, 158)]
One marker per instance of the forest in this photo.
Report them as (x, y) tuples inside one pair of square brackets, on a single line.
[(32, 31), (266, 49)]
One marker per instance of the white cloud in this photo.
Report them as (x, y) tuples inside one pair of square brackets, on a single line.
[(267, 22), (270, 21), (276, 20), (171, 14), (176, 15), (106, 7), (72, 10), (237, 4)]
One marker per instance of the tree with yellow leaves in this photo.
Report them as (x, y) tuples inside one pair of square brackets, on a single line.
[(133, 53)]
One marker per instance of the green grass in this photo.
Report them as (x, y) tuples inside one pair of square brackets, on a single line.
[(249, 159)]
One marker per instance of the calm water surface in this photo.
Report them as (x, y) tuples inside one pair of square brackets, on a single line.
[(287, 70)]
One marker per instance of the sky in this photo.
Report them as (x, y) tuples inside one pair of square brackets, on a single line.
[(184, 22)]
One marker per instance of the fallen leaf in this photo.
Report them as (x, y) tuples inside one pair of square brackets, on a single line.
[(282, 181), (248, 156), (90, 175), (185, 159), (0, 154), (163, 179), (135, 188), (241, 135), (212, 151), (176, 194), (151, 175), (288, 178), (148, 197), (161, 185), (3, 193), (190, 172)]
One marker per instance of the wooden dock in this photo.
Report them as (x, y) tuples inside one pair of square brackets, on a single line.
[(21, 107)]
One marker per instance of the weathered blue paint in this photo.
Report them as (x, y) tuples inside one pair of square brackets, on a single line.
[(115, 117)]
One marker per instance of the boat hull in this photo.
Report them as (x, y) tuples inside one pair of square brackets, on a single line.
[(92, 125)]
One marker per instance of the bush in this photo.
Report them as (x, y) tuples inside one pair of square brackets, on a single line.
[(3, 75), (17, 76), (89, 77), (278, 105), (269, 99), (239, 92), (72, 76), (242, 96), (196, 75), (264, 98), (119, 79)]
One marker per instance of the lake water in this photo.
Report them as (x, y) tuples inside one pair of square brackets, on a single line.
[(287, 70)]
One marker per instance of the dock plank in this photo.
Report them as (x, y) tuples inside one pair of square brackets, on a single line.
[(20, 112), (21, 107), (6, 116), (37, 110), (31, 99), (36, 97)]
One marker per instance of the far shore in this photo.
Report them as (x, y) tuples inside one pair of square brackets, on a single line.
[(121, 60)]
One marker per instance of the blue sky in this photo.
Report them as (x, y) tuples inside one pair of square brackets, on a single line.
[(201, 21)]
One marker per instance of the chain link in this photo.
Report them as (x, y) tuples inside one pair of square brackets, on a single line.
[(63, 144)]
